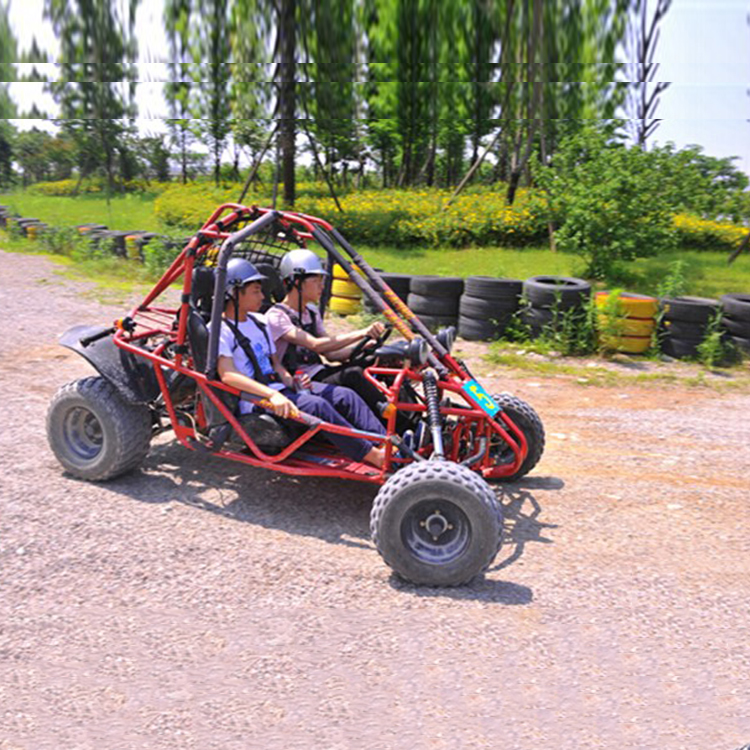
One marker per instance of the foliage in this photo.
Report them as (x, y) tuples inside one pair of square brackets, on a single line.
[(395, 217), (606, 201), (94, 185), (714, 351), (704, 234), (705, 186), (96, 86), (42, 156), (211, 75), (159, 253), (674, 283), (178, 89)]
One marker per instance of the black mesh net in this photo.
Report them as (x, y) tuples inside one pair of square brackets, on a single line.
[(265, 248)]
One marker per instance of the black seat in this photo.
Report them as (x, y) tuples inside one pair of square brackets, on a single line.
[(273, 287)]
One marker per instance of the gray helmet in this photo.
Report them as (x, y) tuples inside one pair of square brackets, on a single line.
[(297, 264), (239, 273)]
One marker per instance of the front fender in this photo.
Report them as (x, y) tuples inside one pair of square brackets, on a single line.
[(134, 378)]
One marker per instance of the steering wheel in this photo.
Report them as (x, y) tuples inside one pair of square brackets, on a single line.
[(369, 342)]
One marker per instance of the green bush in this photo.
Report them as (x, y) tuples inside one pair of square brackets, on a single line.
[(398, 218), (159, 253), (606, 200), (93, 185)]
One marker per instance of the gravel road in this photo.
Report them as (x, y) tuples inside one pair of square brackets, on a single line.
[(196, 604)]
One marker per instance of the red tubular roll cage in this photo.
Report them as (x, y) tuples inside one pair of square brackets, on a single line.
[(149, 321)]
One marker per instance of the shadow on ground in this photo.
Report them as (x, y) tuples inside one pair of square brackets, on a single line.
[(333, 510)]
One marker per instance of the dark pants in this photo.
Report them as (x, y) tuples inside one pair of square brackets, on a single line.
[(340, 406), (354, 378)]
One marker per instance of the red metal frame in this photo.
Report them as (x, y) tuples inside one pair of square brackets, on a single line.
[(147, 321)]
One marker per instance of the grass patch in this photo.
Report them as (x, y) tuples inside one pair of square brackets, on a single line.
[(706, 273), (517, 357), (132, 211)]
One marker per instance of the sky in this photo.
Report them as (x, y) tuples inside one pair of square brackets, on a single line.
[(704, 50)]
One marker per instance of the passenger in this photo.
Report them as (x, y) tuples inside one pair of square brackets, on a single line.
[(248, 361), (296, 327)]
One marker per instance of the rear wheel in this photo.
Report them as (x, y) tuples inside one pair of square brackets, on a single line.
[(436, 524), (94, 433), (528, 421)]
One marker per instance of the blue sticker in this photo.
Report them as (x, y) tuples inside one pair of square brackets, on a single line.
[(476, 391)]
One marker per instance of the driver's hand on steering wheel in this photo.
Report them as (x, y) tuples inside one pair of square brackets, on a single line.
[(375, 330)]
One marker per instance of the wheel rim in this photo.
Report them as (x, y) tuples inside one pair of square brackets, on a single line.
[(436, 531), (83, 434)]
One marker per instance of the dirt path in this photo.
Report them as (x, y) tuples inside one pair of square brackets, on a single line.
[(195, 604)]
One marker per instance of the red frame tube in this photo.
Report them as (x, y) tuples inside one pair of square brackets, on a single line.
[(215, 228)]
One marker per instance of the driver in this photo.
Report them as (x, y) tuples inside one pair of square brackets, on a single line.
[(248, 362), (296, 327)]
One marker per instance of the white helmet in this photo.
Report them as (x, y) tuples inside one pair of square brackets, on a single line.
[(297, 264)]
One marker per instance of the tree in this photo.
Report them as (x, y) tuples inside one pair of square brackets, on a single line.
[(97, 77), (286, 71), (7, 107), (643, 92), (607, 200), (212, 77), (251, 87), (177, 91), (155, 156), (328, 94)]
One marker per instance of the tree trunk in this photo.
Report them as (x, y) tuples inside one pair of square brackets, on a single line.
[(287, 95)]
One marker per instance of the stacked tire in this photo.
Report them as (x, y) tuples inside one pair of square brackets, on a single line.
[(631, 327), (434, 299), (398, 282), (487, 306), (346, 296), (550, 299), (736, 319), (684, 324)]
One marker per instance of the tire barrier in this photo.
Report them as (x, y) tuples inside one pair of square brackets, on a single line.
[(549, 299), (134, 243), (32, 231), (684, 324), (735, 319), (631, 327), (484, 306), (487, 306), (398, 282), (346, 296), (435, 299)]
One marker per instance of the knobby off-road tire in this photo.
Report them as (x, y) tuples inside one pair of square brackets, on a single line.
[(436, 524), (528, 421), (93, 433)]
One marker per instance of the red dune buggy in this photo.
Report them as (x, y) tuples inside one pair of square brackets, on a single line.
[(435, 519)]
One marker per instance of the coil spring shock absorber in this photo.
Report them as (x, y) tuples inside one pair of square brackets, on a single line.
[(433, 413)]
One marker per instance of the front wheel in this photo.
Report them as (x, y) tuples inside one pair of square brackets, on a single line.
[(94, 433), (528, 421), (436, 524)]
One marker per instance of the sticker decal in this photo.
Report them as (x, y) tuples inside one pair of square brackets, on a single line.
[(476, 391)]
